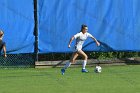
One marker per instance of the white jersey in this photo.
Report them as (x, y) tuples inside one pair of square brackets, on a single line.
[(80, 39)]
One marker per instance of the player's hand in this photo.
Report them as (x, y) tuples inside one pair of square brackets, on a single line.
[(5, 55), (97, 43), (68, 46)]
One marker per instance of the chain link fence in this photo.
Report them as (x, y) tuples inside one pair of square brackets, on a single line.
[(17, 61), (28, 60)]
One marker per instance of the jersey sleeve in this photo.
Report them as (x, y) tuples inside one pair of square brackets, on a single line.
[(89, 35), (3, 44), (77, 35)]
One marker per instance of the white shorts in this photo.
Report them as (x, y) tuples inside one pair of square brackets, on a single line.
[(75, 49)]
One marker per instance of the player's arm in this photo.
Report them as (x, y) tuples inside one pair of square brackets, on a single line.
[(97, 43), (4, 50), (71, 39)]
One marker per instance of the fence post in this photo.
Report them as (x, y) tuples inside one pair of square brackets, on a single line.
[(36, 30)]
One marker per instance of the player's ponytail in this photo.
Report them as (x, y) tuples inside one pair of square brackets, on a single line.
[(83, 26)]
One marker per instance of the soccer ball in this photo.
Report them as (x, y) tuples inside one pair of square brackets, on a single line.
[(98, 69)]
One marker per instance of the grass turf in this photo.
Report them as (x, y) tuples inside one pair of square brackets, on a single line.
[(113, 79)]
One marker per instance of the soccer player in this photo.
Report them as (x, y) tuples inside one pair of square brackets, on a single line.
[(2, 44), (80, 38)]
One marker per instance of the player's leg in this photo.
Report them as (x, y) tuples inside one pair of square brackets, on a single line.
[(72, 60), (85, 57)]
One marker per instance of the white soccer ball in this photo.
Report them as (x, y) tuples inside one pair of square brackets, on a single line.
[(98, 69)]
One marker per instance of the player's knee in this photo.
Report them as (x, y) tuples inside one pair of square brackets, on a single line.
[(72, 60), (85, 57)]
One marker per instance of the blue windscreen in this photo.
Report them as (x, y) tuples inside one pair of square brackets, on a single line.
[(115, 23), (17, 22)]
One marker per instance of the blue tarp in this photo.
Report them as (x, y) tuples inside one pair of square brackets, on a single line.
[(17, 22), (115, 23)]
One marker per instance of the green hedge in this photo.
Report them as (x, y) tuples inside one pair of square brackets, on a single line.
[(106, 55), (91, 55)]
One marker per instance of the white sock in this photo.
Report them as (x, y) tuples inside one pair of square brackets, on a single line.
[(67, 65), (84, 64)]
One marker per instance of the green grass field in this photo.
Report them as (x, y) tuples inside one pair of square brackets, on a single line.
[(113, 79)]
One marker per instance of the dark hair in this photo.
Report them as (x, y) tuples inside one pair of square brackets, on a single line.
[(1, 33), (83, 26)]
